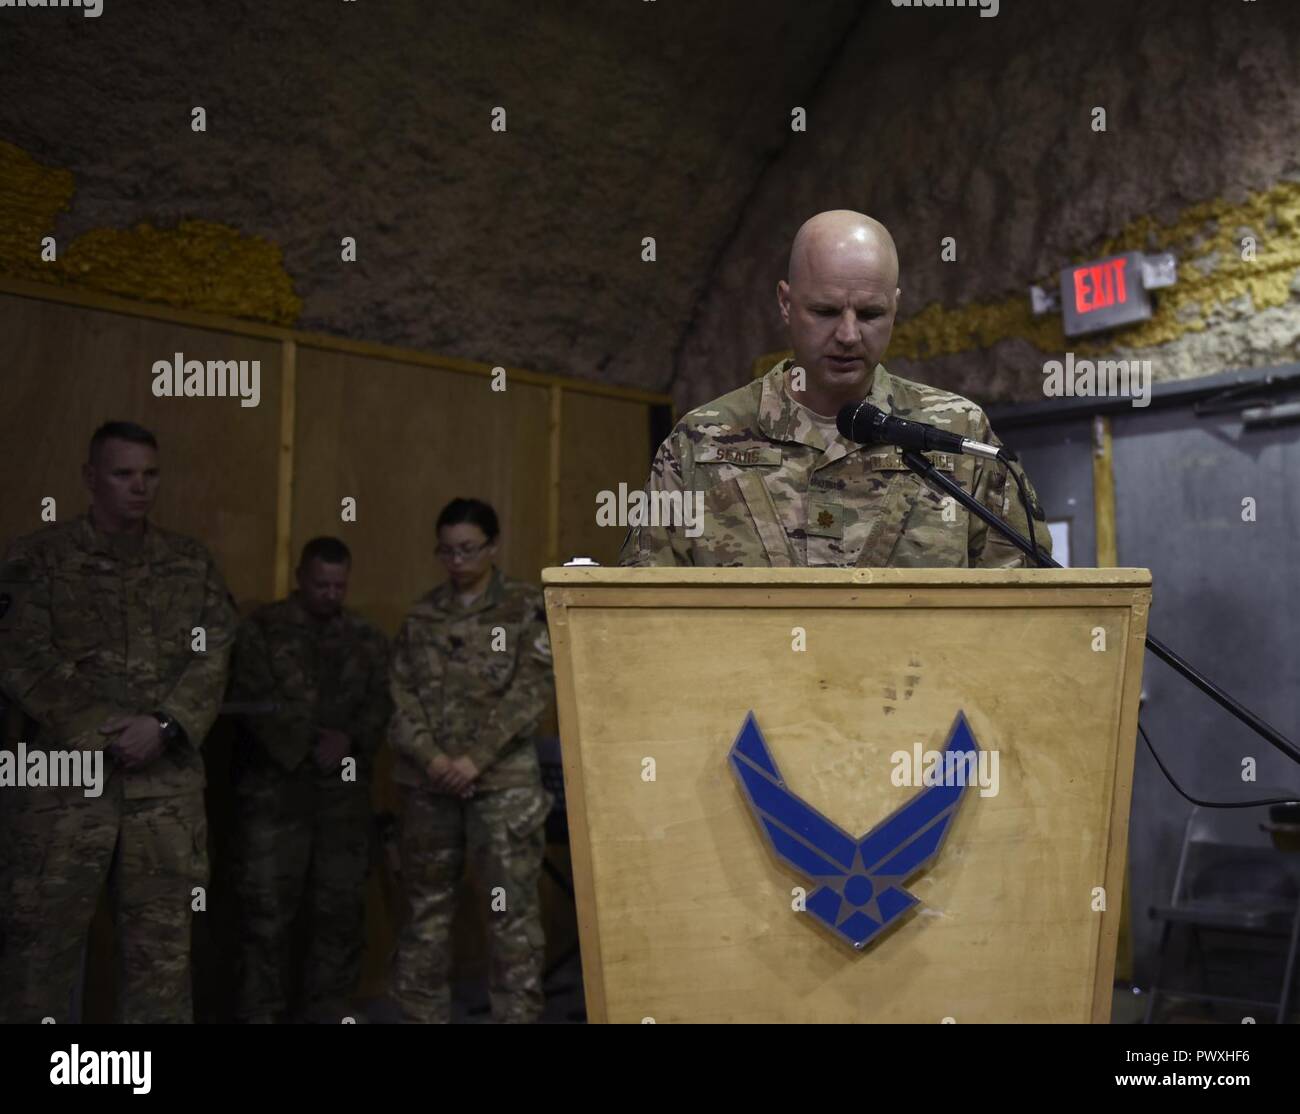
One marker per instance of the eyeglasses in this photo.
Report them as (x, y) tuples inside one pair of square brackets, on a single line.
[(464, 552)]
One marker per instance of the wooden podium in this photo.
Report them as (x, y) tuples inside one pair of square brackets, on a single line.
[(925, 819)]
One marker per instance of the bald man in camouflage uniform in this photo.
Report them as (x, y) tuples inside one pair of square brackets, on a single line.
[(120, 644), (781, 487), (303, 786), (471, 679)]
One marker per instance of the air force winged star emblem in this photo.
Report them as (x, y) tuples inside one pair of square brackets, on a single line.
[(859, 893)]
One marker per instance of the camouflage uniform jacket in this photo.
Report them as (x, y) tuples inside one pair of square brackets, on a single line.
[(454, 694), (776, 491), (105, 629), (320, 673)]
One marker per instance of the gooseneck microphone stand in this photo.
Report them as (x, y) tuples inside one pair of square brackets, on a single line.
[(928, 472)]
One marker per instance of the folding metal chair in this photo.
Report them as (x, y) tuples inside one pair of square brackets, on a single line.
[(1231, 878)]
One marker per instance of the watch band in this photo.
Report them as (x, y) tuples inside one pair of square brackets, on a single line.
[(167, 726)]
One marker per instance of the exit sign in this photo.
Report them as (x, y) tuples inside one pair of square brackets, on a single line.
[(1104, 294)]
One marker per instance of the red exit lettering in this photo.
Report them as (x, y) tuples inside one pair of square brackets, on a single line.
[(1100, 286)]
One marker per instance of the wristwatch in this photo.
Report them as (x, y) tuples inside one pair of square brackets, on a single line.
[(169, 728)]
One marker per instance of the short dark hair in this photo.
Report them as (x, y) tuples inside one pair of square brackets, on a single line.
[(120, 431), (330, 550), (474, 511)]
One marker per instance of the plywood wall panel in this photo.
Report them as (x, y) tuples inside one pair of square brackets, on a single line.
[(65, 369), (605, 442), (403, 440)]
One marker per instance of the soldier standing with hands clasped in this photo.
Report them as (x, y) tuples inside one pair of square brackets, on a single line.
[(471, 678), (120, 643), (303, 786)]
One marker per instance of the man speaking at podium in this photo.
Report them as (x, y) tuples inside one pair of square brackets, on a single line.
[(781, 486)]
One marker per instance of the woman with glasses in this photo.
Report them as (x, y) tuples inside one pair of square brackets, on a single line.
[(471, 678)]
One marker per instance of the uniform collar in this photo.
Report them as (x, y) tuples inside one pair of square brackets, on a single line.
[(298, 610), (121, 547), (444, 596), (780, 418)]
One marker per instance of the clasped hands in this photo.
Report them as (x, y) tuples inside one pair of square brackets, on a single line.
[(140, 740), (332, 746), (455, 776)]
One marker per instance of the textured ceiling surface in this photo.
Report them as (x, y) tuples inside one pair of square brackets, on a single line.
[(624, 119), (985, 133), (628, 119)]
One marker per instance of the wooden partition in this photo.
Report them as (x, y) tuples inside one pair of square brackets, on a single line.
[(400, 431), (604, 442), (402, 443), (65, 369)]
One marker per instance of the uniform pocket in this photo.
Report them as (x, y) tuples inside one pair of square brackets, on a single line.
[(499, 665), (741, 524), (163, 850), (531, 815), (81, 617), (886, 465)]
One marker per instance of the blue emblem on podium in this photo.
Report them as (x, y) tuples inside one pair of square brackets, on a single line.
[(859, 881)]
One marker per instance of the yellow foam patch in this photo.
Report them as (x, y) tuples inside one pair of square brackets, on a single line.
[(31, 196), (198, 265), (1208, 241), (1207, 238)]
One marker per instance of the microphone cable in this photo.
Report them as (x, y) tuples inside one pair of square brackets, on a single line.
[(1209, 804), (1017, 475), (1029, 514)]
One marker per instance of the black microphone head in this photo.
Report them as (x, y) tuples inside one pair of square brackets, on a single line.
[(860, 421)]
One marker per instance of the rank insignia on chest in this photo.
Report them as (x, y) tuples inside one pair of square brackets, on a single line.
[(825, 520)]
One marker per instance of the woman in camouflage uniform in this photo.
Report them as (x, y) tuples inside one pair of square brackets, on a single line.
[(471, 678)]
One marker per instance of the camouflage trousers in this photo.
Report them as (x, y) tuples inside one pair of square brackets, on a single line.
[(59, 850), (502, 832), (303, 846)]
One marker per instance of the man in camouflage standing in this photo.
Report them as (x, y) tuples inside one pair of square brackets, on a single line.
[(120, 644), (303, 786), (780, 486), (471, 678)]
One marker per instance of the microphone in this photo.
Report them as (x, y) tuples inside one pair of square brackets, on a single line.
[(867, 424)]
